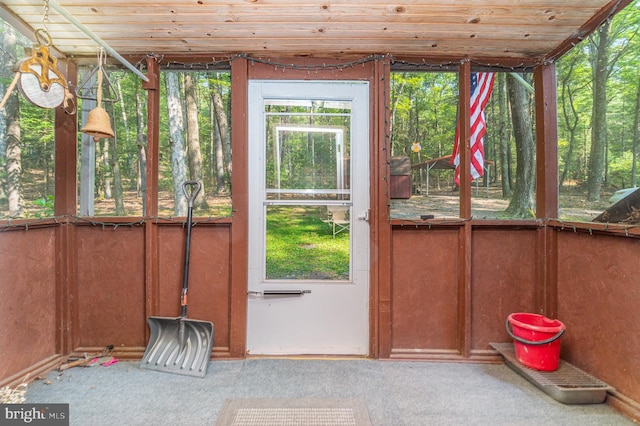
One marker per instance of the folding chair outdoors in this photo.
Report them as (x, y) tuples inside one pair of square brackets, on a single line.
[(337, 221)]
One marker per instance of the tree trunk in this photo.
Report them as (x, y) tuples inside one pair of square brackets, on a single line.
[(216, 141), (106, 166), (571, 119), (599, 119), (393, 107), (414, 123), (13, 154), (141, 140), (114, 158), (193, 138), (176, 140), (223, 125), (503, 115), (5, 75), (130, 170), (125, 121), (521, 203), (215, 161), (117, 179), (142, 170), (636, 139)]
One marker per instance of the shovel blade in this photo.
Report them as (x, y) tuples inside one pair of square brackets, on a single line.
[(178, 345)]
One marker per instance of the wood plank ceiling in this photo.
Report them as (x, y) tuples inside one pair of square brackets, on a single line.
[(487, 31)]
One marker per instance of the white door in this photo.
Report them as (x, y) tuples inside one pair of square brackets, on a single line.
[(308, 218)]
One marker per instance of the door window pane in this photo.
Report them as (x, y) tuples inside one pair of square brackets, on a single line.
[(308, 150), (307, 190), (301, 244)]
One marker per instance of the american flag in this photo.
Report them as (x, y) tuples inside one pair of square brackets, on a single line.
[(481, 86)]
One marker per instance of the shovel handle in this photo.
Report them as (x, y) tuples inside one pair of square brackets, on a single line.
[(191, 189)]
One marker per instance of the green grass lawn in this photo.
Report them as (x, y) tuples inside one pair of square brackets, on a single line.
[(300, 245)]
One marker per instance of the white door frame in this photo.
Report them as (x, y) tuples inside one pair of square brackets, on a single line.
[(330, 317)]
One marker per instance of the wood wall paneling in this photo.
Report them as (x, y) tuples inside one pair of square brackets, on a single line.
[(503, 281), (310, 69), (110, 294), (28, 308), (424, 292), (599, 302), (209, 277)]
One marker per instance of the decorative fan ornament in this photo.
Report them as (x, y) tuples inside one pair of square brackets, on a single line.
[(40, 80)]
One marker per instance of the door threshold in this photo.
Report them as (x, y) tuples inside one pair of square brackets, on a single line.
[(310, 357)]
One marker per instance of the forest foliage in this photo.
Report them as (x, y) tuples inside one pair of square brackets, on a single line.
[(598, 115), (598, 127)]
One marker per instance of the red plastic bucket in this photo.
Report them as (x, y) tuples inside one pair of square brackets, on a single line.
[(536, 339)]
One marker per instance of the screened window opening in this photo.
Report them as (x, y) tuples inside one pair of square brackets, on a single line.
[(425, 161)]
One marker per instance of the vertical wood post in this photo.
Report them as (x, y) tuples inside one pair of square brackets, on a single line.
[(66, 152), (240, 221), (66, 156), (546, 187), (546, 141), (151, 258), (464, 233), (464, 93), (381, 241)]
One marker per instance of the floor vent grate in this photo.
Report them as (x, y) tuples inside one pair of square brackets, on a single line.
[(568, 384)]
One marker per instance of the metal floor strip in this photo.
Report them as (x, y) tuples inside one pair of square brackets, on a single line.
[(568, 384)]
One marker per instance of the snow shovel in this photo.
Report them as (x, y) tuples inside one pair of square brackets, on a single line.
[(180, 345)]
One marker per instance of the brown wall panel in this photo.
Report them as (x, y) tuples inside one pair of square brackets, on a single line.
[(309, 69), (424, 290), (110, 286), (599, 302), (502, 281), (27, 299), (209, 276)]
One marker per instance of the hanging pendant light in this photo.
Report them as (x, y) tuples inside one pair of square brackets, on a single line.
[(98, 122)]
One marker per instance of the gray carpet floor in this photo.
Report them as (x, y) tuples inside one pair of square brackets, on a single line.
[(397, 393)]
